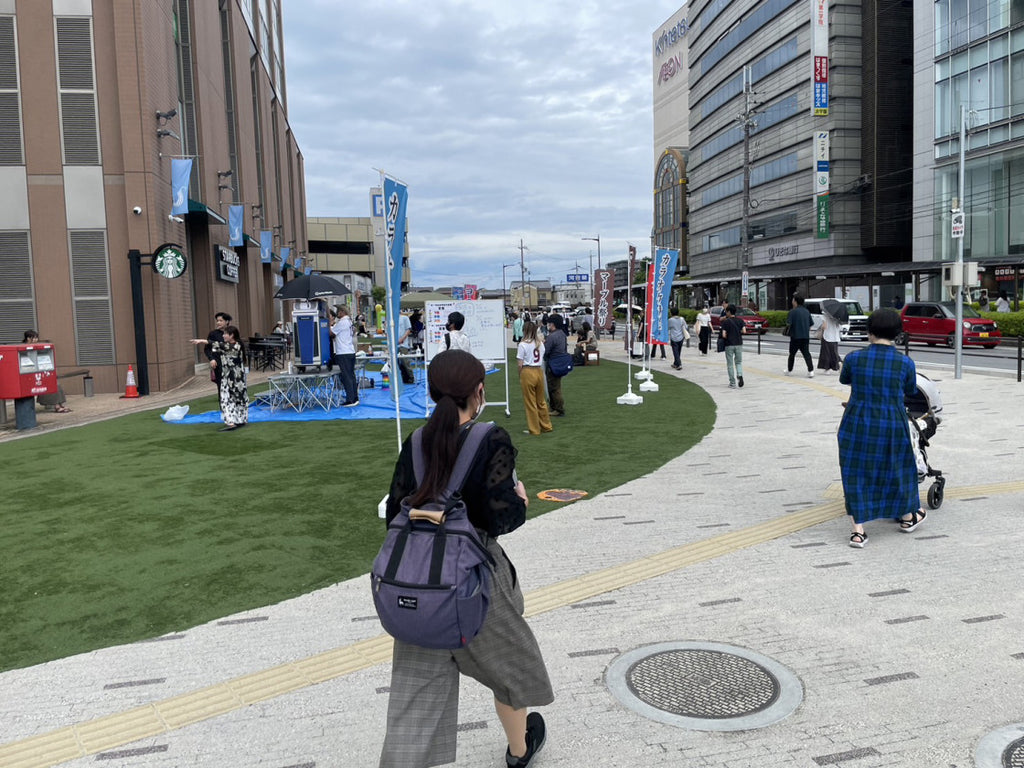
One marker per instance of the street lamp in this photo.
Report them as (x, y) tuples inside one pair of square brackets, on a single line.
[(598, 241)]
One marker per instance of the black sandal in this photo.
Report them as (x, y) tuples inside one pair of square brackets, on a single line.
[(858, 540), (916, 518)]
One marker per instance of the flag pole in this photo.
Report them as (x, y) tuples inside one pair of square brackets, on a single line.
[(630, 398), (391, 322)]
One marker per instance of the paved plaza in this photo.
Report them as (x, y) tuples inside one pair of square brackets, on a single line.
[(909, 652)]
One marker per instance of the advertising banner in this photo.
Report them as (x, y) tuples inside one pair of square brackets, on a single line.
[(266, 246), (663, 269), (604, 288), (235, 214), (471, 292), (396, 197), (181, 173), (821, 219), (819, 57)]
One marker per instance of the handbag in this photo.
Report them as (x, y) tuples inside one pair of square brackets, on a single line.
[(720, 347), (786, 331), (560, 364)]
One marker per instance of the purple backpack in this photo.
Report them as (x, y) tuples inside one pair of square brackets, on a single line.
[(431, 579)]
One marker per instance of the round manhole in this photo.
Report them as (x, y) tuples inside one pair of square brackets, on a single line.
[(1001, 748), (699, 683), (1013, 755), (705, 686)]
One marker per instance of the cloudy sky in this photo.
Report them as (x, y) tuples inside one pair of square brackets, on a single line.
[(508, 120)]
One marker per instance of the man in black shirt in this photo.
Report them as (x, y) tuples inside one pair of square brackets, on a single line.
[(554, 344), (799, 320), (222, 321)]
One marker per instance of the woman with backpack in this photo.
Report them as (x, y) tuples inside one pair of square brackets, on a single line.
[(504, 656)]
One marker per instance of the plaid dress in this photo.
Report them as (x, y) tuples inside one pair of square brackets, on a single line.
[(876, 457)]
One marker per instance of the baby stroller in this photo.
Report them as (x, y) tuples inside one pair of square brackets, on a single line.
[(923, 412)]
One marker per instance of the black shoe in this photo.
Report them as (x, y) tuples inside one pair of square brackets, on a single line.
[(740, 380), (535, 735), (228, 428)]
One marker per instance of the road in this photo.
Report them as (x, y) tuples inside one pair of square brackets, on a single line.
[(1001, 359)]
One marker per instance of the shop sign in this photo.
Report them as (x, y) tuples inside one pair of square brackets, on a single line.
[(821, 218), (228, 263), (169, 260)]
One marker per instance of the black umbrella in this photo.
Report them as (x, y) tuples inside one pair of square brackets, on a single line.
[(311, 287), (836, 309)]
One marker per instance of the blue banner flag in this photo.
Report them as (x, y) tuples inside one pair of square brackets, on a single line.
[(235, 213), (286, 253), (396, 196), (181, 174), (664, 270), (266, 246), (298, 263), (309, 271)]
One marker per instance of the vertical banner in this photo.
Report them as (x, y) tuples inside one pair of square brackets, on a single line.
[(298, 263), (235, 213), (821, 184), (648, 304), (664, 270), (821, 217), (604, 288), (181, 174), (396, 196), (266, 246), (819, 57), (286, 254)]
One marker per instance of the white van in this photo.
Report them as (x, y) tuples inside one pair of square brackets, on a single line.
[(855, 328)]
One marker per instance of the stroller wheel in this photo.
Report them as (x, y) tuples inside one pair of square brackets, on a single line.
[(935, 494)]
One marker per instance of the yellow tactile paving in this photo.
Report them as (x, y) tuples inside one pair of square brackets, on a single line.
[(119, 729)]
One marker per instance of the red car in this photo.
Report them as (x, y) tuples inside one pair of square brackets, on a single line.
[(753, 321), (934, 322)]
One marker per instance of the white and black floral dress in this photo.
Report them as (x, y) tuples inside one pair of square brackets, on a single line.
[(234, 397)]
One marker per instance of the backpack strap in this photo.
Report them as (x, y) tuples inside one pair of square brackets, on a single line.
[(472, 440)]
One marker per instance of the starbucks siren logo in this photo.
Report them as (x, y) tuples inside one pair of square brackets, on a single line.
[(169, 261)]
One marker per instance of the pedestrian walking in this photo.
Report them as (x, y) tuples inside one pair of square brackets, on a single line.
[(799, 322), (676, 336), (830, 333), (732, 330), (876, 457), (702, 326), (423, 704), (1003, 302), (530, 359)]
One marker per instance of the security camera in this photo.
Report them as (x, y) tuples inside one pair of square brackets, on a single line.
[(137, 210), (178, 219)]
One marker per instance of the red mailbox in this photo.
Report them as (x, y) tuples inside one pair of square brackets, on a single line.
[(27, 370)]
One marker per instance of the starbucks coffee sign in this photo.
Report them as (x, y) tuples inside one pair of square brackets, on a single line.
[(169, 261)]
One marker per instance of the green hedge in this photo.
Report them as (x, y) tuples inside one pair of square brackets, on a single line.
[(1010, 323)]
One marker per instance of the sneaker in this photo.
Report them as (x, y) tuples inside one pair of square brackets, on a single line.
[(535, 735), (732, 385), (350, 405), (789, 373), (740, 381), (810, 374)]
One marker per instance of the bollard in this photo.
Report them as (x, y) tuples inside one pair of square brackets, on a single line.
[(87, 385)]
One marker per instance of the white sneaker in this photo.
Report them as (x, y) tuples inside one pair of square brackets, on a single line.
[(789, 373), (810, 374)]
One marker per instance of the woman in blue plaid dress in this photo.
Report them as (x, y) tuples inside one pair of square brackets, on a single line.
[(875, 453)]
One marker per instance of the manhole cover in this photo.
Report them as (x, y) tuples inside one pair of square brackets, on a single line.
[(700, 683), (561, 494), (705, 686), (1013, 755), (1001, 748)]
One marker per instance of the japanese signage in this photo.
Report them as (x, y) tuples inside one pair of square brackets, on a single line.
[(577, 278), (958, 224), (821, 217), (819, 57), (604, 282)]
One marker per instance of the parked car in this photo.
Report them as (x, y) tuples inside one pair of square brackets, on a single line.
[(855, 328), (934, 322), (753, 321)]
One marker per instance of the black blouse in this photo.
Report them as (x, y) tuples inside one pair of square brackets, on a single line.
[(489, 491)]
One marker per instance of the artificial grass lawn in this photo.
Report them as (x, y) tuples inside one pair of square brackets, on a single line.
[(132, 528)]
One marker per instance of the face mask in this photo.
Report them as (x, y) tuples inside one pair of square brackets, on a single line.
[(480, 406)]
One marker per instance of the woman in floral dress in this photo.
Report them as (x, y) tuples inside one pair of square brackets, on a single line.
[(234, 398)]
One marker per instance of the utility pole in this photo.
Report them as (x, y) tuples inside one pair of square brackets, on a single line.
[(746, 121), (522, 274)]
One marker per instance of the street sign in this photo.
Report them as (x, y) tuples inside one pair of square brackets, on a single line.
[(577, 278), (958, 224)]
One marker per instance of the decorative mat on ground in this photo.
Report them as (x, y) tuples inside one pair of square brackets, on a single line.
[(561, 494)]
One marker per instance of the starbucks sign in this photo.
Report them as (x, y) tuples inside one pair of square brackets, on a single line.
[(169, 261)]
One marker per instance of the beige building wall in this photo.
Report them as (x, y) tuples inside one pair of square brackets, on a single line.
[(670, 84), (84, 303)]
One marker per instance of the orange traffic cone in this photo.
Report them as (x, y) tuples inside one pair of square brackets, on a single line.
[(130, 390)]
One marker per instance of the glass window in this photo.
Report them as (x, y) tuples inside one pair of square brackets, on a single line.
[(978, 19), (1017, 83), (979, 96), (960, 63), (942, 109), (941, 27), (958, 23), (942, 69), (997, 46), (999, 90), (958, 95), (1016, 11), (998, 15)]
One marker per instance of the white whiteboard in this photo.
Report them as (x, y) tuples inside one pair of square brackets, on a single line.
[(485, 327)]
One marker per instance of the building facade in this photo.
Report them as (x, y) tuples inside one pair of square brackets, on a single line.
[(95, 103), (671, 134), (786, 84), (970, 54)]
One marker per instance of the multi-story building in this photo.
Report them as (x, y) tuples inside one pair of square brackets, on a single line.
[(96, 99), (970, 54), (822, 93)]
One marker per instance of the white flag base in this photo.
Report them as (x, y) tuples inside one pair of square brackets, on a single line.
[(648, 386), (643, 375), (629, 399)]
